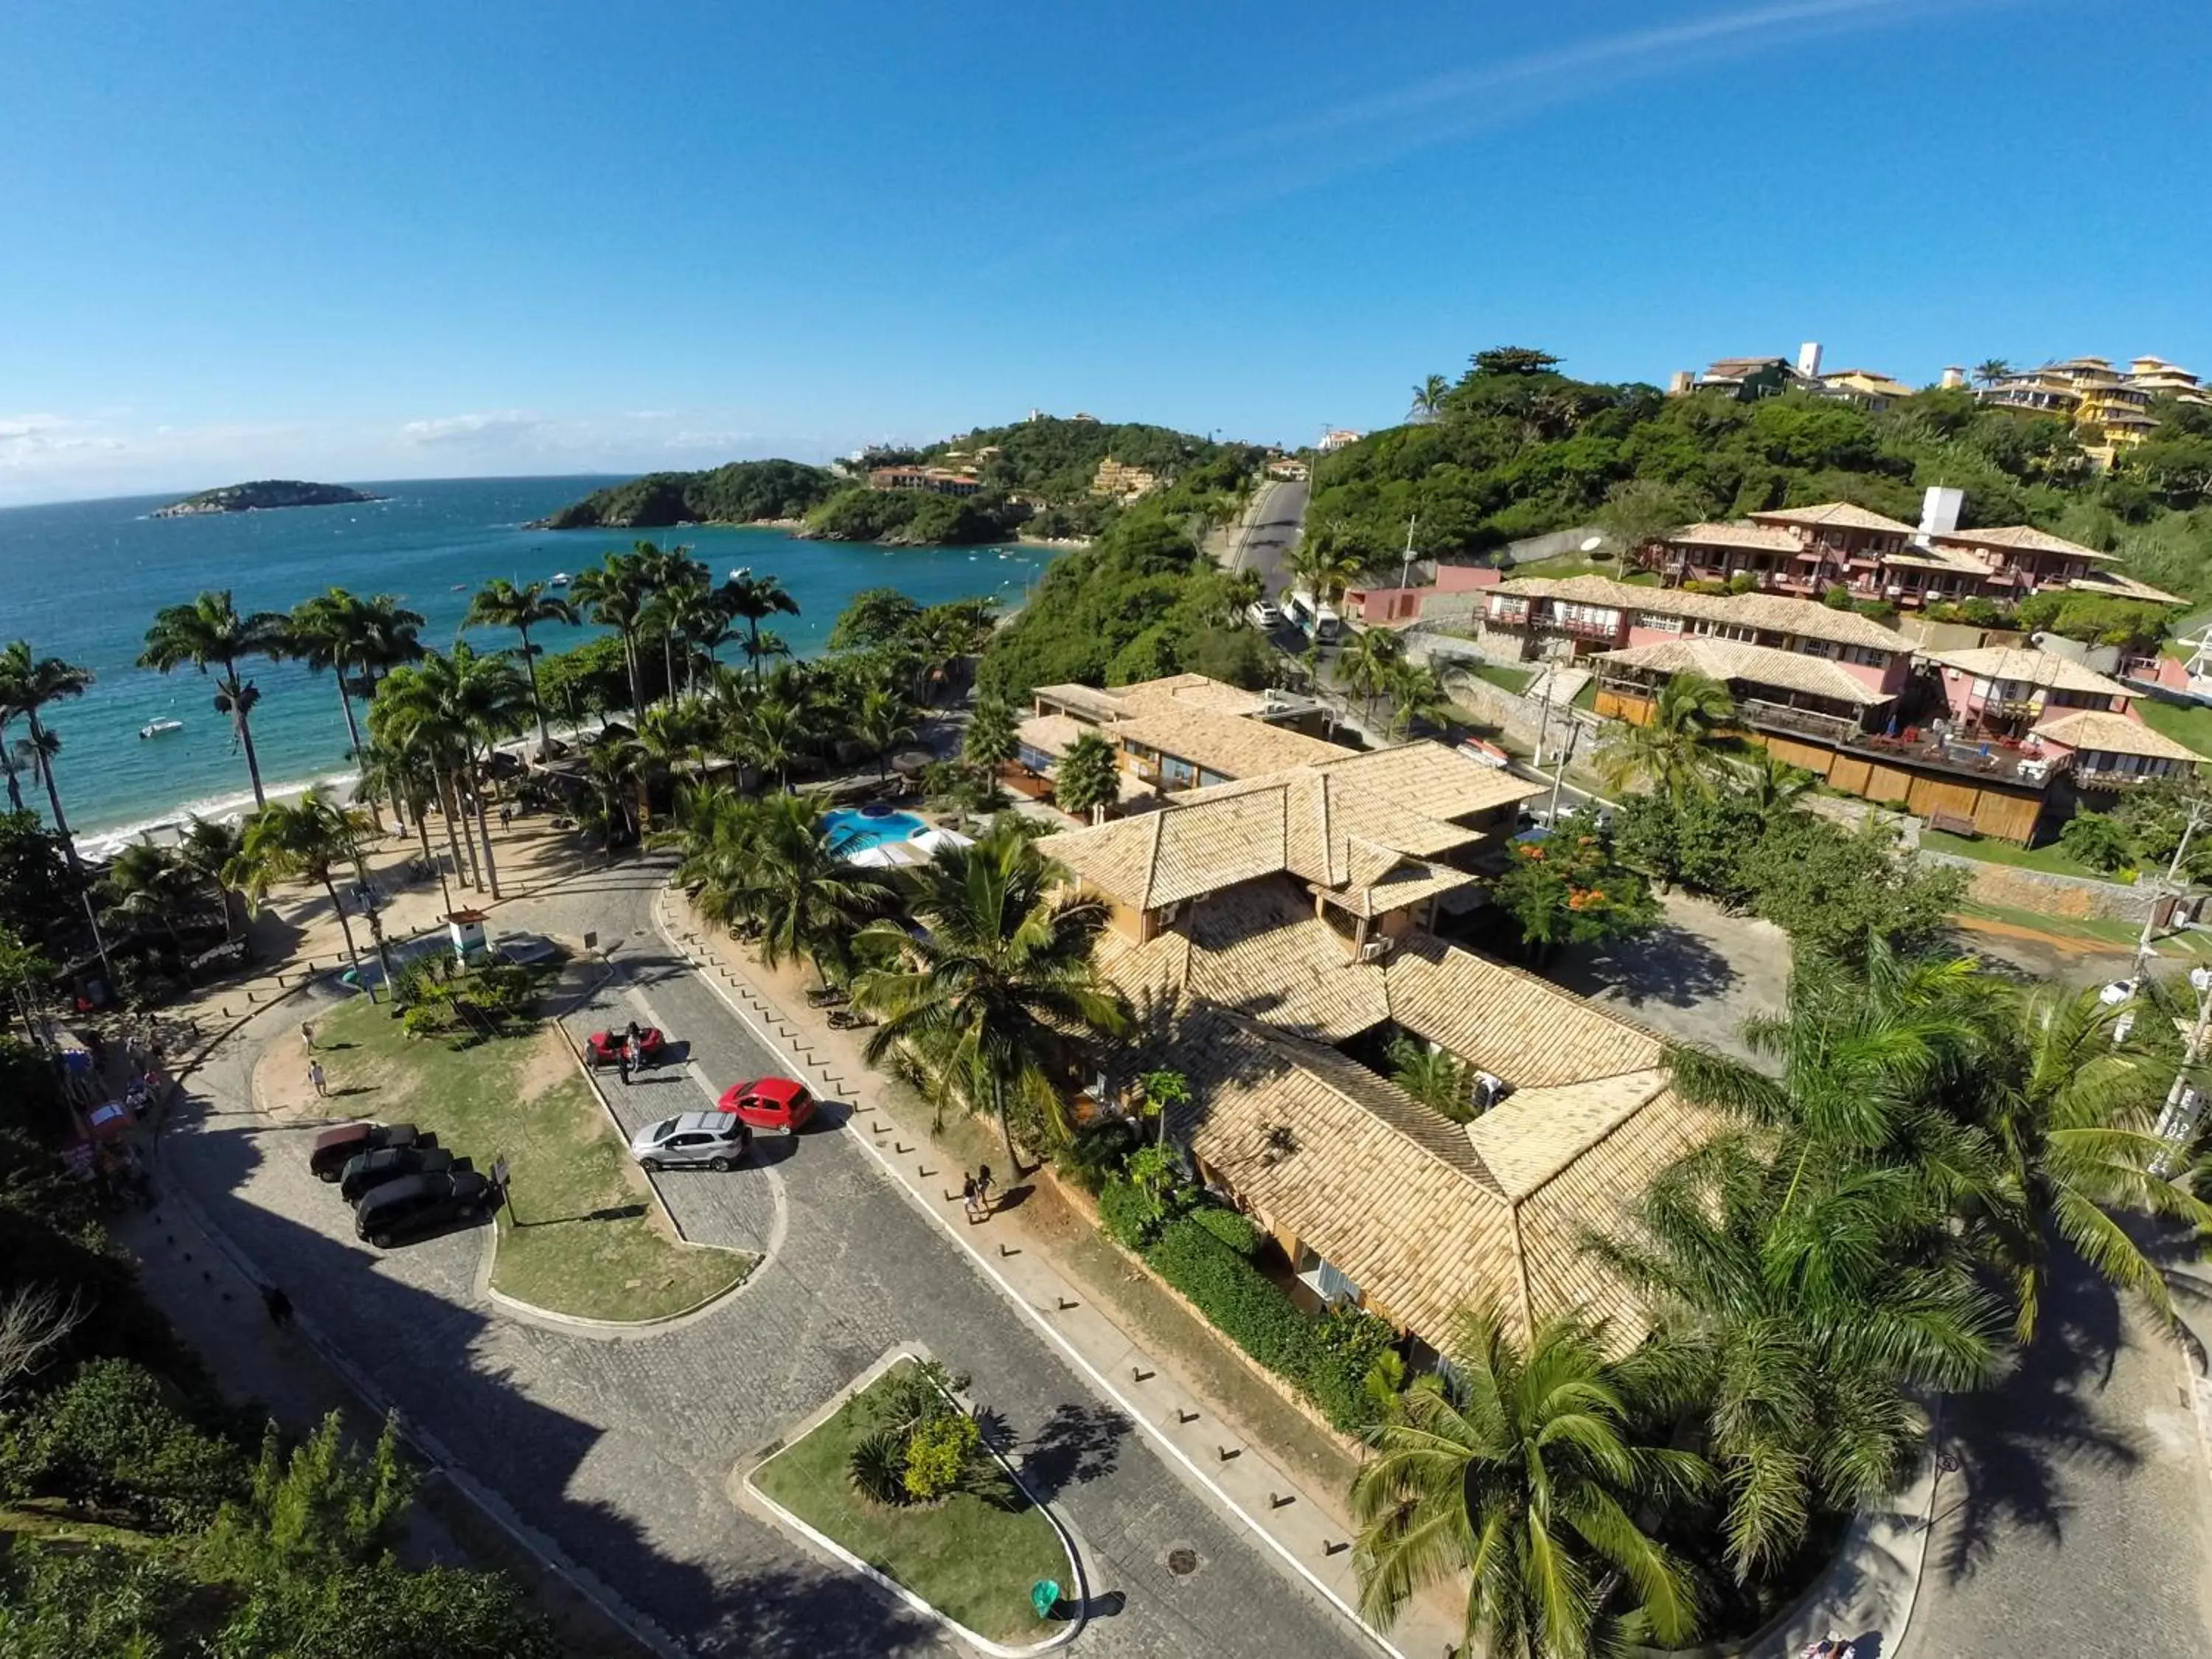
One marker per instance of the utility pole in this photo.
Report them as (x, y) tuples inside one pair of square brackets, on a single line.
[(2172, 886), (2184, 1105), (1406, 568), (1567, 754)]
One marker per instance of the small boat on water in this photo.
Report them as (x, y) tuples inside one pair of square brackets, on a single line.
[(561, 578), (741, 573), (158, 728)]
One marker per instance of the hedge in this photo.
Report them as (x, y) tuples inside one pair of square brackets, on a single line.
[(1127, 1214), (1236, 1231), (1327, 1359)]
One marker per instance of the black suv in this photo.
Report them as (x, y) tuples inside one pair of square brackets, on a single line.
[(366, 1171), (418, 1204)]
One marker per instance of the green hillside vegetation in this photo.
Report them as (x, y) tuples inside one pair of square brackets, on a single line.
[(743, 492), (1037, 479), (1515, 448)]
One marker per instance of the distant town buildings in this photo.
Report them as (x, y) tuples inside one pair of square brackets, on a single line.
[(1336, 438), (1123, 481), (937, 480), (1286, 469)]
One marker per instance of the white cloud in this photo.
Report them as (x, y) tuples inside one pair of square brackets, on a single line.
[(503, 426)]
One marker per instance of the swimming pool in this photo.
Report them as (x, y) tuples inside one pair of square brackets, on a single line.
[(856, 828)]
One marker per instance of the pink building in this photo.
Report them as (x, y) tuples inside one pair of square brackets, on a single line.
[(1390, 607), (2004, 692)]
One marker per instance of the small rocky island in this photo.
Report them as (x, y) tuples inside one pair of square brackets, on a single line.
[(262, 495)]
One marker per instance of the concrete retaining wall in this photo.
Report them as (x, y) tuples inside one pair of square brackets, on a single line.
[(2079, 897)]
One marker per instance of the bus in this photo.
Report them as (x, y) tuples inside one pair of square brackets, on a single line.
[(1318, 622)]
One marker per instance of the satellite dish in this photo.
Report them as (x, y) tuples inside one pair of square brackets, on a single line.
[(1591, 543)]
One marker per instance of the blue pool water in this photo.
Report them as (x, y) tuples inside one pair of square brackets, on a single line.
[(852, 829)]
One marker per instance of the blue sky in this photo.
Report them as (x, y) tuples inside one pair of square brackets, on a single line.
[(427, 240)]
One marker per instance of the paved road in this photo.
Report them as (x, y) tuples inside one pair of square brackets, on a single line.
[(620, 1451), (1269, 532)]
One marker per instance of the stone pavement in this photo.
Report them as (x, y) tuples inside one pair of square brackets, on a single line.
[(617, 1455), (1307, 1531)]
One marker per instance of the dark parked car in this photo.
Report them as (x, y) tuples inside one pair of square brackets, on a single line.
[(417, 1204), (334, 1146), (365, 1171)]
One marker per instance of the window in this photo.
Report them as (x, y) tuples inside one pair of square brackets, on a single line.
[(1827, 648), (1177, 771), (1658, 622), (1866, 657), (1324, 1281), (1720, 630)]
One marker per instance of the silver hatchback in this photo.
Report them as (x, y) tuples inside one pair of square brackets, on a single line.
[(715, 1141)]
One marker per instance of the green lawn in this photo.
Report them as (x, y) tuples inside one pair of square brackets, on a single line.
[(972, 1562), (2050, 857), (1560, 566), (589, 1242), (1504, 675), (2189, 724)]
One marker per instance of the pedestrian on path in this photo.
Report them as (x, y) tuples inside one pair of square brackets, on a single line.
[(968, 1191), (308, 1034), (315, 1077), (622, 1065), (983, 1189), (279, 1305)]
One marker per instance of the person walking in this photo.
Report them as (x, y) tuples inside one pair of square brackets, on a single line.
[(279, 1305), (308, 1034), (315, 1077), (621, 1063), (983, 1189), (968, 1199)]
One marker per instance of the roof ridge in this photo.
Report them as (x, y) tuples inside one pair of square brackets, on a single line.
[(1159, 818)]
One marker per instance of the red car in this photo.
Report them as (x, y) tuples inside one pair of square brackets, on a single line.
[(771, 1105), (606, 1048)]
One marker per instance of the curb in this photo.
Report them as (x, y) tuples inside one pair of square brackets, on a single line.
[(1074, 1356), (1068, 1630)]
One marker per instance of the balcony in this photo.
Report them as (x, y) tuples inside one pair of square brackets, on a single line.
[(1510, 616), (2106, 777), (1583, 627)]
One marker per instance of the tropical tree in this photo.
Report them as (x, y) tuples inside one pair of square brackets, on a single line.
[(667, 735), (1429, 398), (1798, 1305), (1436, 1077), (774, 864), (1769, 783), (669, 574), (610, 767), (209, 633), (769, 736), (1521, 1470), (752, 600), (25, 971), (2070, 1088), (1088, 779), (1415, 694), (1364, 667), (457, 706), (1991, 370), (501, 603), (993, 735), (27, 684), (404, 773), (324, 632), (998, 981), (1324, 567), (205, 852), (17, 756), (878, 723), (1672, 751), (146, 883), (305, 840), (615, 591)]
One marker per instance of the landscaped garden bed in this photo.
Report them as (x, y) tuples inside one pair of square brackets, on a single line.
[(582, 1237), (894, 1479)]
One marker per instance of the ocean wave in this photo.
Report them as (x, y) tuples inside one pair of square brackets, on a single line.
[(96, 842)]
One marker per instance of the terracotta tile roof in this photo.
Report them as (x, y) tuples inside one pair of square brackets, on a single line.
[(1533, 1133), (2112, 734), (1094, 705), (1227, 744), (2024, 538), (1769, 538), (2119, 586), (1194, 691), (1937, 558), (1430, 779), (1843, 515), (1160, 858), (2045, 669), (1512, 1025), (1760, 665), (1772, 613), (1381, 880), (1400, 1200), (1051, 734)]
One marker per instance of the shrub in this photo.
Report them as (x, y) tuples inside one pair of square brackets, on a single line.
[(110, 1441), (1246, 1306), (938, 1454), (1349, 1343), (1238, 1232), (878, 1466), (2099, 842), (1129, 1215)]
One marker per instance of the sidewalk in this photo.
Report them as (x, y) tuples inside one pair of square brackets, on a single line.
[(1306, 1530)]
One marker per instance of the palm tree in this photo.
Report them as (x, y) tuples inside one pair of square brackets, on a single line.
[(1436, 1077), (1415, 694), (668, 573), (304, 839), (1521, 1470), (940, 637), (1429, 398), (205, 852), (210, 632), (501, 603), (616, 591), (1088, 779), (1797, 1308), (880, 723), (17, 756), (1670, 751), (1771, 783), (2071, 1094), (1991, 370), (28, 684), (666, 736), (993, 735), (147, 883), (770, 735), (1000, 980), (610, 767), (695, 617), (404, 775), (752, 600), (1322, 568), (460, 705), (791, 879), (1363, 666), (325, 632)]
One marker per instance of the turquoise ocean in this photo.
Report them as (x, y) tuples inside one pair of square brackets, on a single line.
[(83, 580)]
